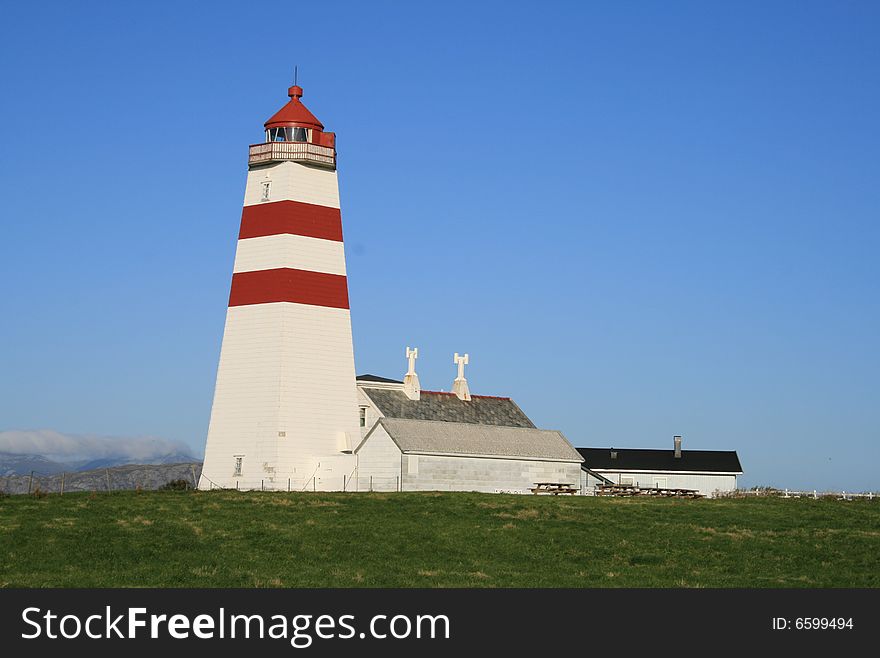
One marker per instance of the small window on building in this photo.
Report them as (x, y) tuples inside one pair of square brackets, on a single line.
[(267, 190), (412, 465), (362, 415), (626, 479), (237, 470)]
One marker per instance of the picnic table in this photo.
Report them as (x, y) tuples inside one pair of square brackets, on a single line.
[(635, 490), (554, 488)]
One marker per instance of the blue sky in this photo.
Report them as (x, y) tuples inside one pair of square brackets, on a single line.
[(640, 219)]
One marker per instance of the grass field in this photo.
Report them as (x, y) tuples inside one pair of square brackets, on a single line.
[(231, 539)]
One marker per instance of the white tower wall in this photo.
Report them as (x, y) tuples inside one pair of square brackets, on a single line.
[(285, 400)]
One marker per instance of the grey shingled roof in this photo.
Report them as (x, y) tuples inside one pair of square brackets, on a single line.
[(481, 409), (431, 436)]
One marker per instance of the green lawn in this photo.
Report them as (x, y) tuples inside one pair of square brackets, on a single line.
[(231, 539)]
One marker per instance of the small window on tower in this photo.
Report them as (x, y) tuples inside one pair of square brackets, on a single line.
[(363, 416), (237, 470), (267, 188), (300, 135)]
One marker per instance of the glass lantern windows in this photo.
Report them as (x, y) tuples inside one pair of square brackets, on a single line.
[(287, 134)]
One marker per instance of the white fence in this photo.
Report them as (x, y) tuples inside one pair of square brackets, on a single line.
[(791, 493)]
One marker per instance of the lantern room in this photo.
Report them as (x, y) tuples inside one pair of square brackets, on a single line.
[(293, 133)]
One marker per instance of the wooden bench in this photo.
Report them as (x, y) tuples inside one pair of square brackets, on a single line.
[(554, 488)]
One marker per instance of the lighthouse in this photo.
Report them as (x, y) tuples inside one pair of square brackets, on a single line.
[(285, 410)]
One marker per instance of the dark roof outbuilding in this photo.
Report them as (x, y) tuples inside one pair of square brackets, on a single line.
[(634, 459)]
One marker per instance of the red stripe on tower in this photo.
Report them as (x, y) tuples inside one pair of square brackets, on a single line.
[(294, 217), (289, 285)]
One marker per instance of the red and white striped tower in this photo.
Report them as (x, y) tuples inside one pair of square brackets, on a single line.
[(285, 402)]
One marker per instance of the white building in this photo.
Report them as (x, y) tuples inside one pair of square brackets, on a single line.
[(418, 440), (285, 403), (436, 455), (706, 471)]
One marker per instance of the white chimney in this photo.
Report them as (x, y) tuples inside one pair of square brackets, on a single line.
[(460, 385), (676, 440), (411, 380)]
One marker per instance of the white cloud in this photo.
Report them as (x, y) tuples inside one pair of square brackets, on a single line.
[(73, 447)]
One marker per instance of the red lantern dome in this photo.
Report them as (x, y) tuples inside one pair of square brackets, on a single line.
[(294, 114)]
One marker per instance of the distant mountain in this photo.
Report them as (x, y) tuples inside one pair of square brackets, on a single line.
[(110, 462), (177, 458), (134, 476), (13, 464)]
